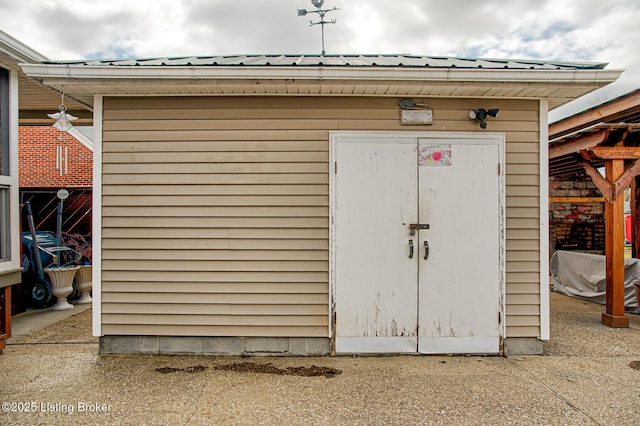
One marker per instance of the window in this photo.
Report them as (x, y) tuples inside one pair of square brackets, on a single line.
[(5, 170), (4, 122), (5, 235)]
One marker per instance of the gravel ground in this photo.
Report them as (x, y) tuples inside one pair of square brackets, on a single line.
[(586, 377), (576, 331), (74, 329)]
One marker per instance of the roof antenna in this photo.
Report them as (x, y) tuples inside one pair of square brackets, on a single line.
[(321, 12)]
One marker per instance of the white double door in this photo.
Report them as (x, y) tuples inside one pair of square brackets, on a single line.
[(417, 245)]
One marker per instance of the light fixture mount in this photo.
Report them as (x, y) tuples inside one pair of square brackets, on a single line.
[(481, 114)]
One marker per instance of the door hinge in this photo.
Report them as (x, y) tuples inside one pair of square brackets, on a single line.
[(335, 167), (499, 317), (498, 169)]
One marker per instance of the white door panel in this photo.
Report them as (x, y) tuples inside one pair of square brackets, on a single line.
[(389, 302), (459, 290), (375, 197)]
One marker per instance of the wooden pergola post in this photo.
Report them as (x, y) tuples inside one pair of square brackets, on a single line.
[(5, 315), (590, 148), (635, 217), (614, 251)]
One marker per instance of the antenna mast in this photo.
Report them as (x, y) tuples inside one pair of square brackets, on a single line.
[(321, 12)]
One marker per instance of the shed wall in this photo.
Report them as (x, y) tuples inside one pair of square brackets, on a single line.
[(215, 214)]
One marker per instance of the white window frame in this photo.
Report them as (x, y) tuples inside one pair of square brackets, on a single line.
[(12, 264), (5, 223), (96, 250)]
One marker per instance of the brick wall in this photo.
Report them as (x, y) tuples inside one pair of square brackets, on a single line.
[(577, 226), (37, 159)]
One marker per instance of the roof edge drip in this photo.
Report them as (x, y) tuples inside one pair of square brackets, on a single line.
[(402, 60), (354, 75), (372, 73)]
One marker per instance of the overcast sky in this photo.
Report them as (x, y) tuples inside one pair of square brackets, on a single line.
[(568, 30)]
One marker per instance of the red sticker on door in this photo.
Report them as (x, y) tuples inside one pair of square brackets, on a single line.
[(434, 155)]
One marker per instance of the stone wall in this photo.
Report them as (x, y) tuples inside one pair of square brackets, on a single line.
[(575, 225)]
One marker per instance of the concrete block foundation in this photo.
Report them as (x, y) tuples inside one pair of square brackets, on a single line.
[(238, 346), (523, 346), (255, 346)]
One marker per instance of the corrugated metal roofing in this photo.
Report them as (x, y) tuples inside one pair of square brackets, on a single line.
[(328, 75), (631, 127), (408, 61), (564, 161)]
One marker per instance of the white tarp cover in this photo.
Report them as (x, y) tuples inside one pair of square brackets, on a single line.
[(583, 275)]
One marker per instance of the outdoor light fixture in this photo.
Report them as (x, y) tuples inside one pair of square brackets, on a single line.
[(481, 114)]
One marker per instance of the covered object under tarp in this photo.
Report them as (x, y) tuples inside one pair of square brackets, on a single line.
[(583, 275)]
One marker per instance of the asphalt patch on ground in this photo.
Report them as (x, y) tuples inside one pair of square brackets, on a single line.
[(249, 367), (635, 365)]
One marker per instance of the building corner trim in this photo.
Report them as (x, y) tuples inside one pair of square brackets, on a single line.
[(97, 216), (545, 332)]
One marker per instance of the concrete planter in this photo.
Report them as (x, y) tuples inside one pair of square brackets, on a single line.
[(62, 282), (84, 283)]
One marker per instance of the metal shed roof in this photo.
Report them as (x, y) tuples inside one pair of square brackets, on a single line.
[(342, 61), (623, 109), (566, 152), (325, 75)]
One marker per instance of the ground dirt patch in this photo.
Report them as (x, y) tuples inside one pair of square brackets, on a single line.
[(249, 367), (192, 369)]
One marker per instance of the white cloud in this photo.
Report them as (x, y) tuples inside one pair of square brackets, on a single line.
[(582, 30)]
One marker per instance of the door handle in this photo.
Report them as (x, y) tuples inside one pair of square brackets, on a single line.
[(426, 250), (410, 249)]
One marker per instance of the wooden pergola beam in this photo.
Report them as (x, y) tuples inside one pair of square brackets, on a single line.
[(608, 112), (616, 152), (576, 199), (578, 143)]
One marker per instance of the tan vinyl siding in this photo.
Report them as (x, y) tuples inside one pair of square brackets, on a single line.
[(523, 231), (215, 210)]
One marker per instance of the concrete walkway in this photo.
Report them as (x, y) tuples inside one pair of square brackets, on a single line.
[(589, 375), (27, 323)]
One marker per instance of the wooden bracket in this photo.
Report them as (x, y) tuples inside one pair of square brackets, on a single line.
[(598, 180), (588, 156), (624, 181), (611, 192)]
